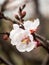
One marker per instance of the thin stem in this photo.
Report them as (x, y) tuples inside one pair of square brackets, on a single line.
[(45, 60), (5, 61), (16, 21), (45, 42), (42, 38)]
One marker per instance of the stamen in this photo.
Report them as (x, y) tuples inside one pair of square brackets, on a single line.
[(26, 40)]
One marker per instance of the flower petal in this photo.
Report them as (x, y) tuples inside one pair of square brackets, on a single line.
[(29, 25), (31, 46), (12, 34), (15, 26), (18, 35), (13, 42), (36, 24), (21, 47)]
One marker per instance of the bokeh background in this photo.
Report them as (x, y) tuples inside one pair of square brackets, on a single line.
[(10, 54)]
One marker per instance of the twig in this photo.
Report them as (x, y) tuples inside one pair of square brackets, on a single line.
[(3, 6), (45, 60), (45, 42), (18, 21), (5, 61)]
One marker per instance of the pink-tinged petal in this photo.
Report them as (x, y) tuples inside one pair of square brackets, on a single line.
[(31, 46), (36, 24), (15, 31), (18, 35), (11, 34), (13, 42), (29, 25), (15, 26), (21, 47)]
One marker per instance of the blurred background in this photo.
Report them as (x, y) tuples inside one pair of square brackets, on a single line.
[(8, 53)]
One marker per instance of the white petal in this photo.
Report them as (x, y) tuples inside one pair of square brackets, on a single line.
[(31, 37), (13, 42), (31, 46), (15, 26), (21, 47), (29, 25), (36, 23), (18, 35), (12, 34)]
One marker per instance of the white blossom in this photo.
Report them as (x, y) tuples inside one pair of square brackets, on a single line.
[(29, 25), (22, 39)]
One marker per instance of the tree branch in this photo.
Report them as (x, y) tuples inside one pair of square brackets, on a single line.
[(45, 60), (5, 61), (45, 42)]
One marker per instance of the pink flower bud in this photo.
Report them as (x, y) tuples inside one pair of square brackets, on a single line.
[(5, 37)]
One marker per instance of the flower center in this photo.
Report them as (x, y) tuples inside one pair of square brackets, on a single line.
[(26, 40), (32, 31)]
